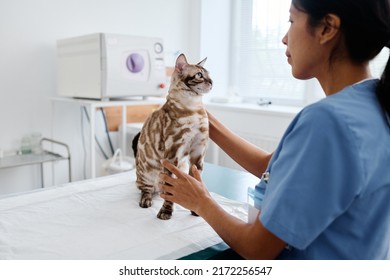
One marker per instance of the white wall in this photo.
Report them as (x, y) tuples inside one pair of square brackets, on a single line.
[(28, 32)]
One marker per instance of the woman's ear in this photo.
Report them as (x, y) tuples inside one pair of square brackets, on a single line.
[(330, 28)]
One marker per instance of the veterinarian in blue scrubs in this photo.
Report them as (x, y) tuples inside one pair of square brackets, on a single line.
[(327, 185)]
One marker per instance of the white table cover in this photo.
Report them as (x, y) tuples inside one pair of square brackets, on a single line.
[(100, 219)]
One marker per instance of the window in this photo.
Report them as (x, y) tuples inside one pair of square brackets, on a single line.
[(260, 68)]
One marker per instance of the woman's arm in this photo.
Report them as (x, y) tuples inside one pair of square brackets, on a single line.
[(251, 241), (250, 157)]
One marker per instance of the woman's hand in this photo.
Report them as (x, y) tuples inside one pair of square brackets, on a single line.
[(249, 240), (185, 190)]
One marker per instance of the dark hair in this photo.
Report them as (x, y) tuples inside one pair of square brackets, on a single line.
[(365, 25)]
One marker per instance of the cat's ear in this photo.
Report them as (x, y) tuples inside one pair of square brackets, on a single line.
[(181, 62), (202, 62)]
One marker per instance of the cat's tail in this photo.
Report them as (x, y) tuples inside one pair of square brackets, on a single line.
[(135, 143)]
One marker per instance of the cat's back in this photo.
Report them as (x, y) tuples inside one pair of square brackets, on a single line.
[(151, 135), (150, 149)]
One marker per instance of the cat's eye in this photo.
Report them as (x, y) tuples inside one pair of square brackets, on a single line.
[(199, 75)]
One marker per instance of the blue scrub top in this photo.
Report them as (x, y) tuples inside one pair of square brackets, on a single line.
[(328, 191)]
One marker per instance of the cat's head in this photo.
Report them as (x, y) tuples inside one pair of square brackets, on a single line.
[(191, 78)]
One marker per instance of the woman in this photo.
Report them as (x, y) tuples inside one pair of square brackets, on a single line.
[(328, 187)]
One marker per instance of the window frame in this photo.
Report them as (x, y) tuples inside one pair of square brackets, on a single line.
[(311, 90)]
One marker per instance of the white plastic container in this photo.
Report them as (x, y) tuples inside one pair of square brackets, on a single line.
[(118, 164)]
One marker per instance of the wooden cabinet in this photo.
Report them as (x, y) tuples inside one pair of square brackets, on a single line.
[(135, 114)]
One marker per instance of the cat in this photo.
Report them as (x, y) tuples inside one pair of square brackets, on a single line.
[(177, 132)]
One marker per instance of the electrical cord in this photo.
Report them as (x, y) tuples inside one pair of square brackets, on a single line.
[(96, 139), (107, 132), (83, 142)]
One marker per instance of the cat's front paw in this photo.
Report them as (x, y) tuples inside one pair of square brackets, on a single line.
[(164, 214), (145, 202)]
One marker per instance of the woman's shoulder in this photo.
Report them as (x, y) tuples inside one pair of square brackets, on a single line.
[(318, 114), (351, 103)]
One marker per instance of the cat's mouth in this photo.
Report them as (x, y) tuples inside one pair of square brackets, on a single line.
[(202, 90)]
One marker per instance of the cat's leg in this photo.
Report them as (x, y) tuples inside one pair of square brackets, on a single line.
[(146, 196), (166, 210), (197, 154), (198, 162)]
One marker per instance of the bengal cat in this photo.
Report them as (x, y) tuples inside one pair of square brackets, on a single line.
[(177, 132)]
